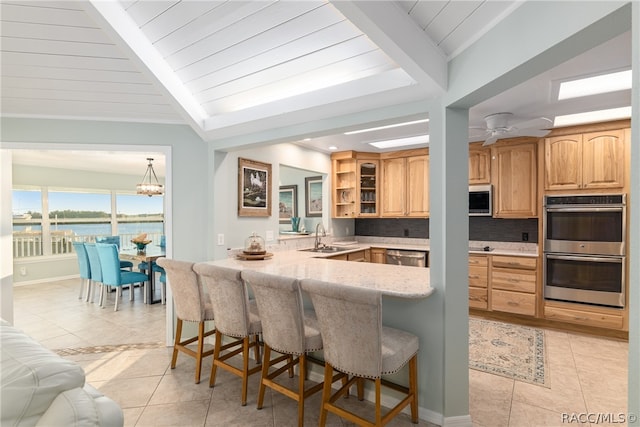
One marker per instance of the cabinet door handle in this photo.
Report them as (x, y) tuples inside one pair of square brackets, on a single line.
[(513, 280)]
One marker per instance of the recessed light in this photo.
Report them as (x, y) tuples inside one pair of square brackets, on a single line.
[(333, 147), (353, 132), (593, 116), (401, 142), (594, 85)]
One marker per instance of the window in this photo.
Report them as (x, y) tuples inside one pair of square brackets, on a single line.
[(140, 214), (27, 223)]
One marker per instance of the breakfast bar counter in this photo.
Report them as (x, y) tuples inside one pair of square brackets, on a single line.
[(391, 280)]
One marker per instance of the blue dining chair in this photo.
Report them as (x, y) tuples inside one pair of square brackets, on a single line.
[(116, 241), (85, 271), (96, 269), (112, 275)]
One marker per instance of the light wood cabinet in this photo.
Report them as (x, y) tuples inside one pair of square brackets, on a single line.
[(513, 284), (592, 316), (479, 164), (368, 188), (514, 172), (343, 185), (378, 255), (478, 281), (357, 256), (585, 161), (405, 186)]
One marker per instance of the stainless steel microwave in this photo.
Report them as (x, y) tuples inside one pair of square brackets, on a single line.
[(480, 200)]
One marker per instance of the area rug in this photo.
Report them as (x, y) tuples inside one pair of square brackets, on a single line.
[(512, 351)]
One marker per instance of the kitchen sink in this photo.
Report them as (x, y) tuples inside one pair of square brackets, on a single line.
[(326, 249)]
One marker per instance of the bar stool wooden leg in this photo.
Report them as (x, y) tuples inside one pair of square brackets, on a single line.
[(174, 357), (413, 387), (265, 374)]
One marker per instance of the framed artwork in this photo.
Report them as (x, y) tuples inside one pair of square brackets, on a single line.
[(254, 188), (313, 196), (288, 203)]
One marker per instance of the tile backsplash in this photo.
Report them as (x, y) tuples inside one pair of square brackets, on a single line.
[(480, 228)]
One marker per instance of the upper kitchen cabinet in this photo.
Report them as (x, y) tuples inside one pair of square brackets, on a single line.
[(585, 161), (405, 184), (514, 174), (343, 184), (368, 187), (355, 184), (479, 164)]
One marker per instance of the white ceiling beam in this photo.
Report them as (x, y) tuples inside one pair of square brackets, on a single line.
[(391, 29), (123, 30), (516, 49)]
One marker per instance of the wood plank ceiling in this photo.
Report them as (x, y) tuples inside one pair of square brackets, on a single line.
[(219, 65)]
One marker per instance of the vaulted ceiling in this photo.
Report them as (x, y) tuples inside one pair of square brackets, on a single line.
[(237, 71)]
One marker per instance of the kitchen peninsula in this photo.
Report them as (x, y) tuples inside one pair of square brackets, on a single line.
[(404, 291)]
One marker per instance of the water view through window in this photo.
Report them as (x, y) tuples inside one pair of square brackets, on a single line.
[(79, 216)]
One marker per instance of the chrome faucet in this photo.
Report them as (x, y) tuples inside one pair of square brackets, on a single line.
[(318, 243)]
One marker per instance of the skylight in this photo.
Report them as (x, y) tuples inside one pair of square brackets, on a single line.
[(593, 116), (603, 83), (401, 142), (395, 125)]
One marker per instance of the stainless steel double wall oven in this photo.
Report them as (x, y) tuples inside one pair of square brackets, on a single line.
[(584, 248)]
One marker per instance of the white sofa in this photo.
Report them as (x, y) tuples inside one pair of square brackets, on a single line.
[(40, 388)]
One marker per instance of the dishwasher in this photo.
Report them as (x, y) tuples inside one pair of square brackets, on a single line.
[(410, 258)]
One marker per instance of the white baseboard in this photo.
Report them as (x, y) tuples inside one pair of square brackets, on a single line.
[(49, 279)]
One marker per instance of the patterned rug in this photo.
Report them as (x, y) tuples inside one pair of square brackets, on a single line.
[(512, 351)]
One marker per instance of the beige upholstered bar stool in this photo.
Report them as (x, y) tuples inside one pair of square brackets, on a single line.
[(356, 343), (192, 305), (288, 329), (236, 317)]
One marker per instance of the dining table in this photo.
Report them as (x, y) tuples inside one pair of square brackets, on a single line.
[(149, 255)]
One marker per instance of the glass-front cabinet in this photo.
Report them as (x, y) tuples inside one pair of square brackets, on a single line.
[(355, 184), (368, 187)]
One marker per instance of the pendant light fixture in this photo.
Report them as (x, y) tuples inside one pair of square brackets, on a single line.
[(147, 187)]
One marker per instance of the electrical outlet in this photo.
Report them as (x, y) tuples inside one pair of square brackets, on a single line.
[(406, 232), (525, 237), (23, 271), (269, 235), (220, 239)]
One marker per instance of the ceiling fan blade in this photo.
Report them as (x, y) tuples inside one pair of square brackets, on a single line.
[(538, 133), (537, 123), (490, 140)]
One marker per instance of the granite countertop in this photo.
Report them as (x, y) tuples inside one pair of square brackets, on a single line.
[(391, 280)]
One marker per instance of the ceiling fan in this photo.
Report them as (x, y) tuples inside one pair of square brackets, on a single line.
[(505, 125)]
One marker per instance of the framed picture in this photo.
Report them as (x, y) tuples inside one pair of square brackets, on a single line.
[(288, 203), (254, 188), (313, 196)]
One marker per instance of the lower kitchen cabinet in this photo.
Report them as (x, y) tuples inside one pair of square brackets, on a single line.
[(514, 284), (378, 255), (358, 256), (478, 281), (599, 317)]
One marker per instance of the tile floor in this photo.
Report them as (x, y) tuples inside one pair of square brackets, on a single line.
[(123, 356)]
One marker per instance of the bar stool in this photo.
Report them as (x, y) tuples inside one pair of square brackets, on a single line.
[(192, 305), (287, 329), (356, 343), (235, 317)]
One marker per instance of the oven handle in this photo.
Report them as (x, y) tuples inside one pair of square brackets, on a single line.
[(585, 258), (584, 209)]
